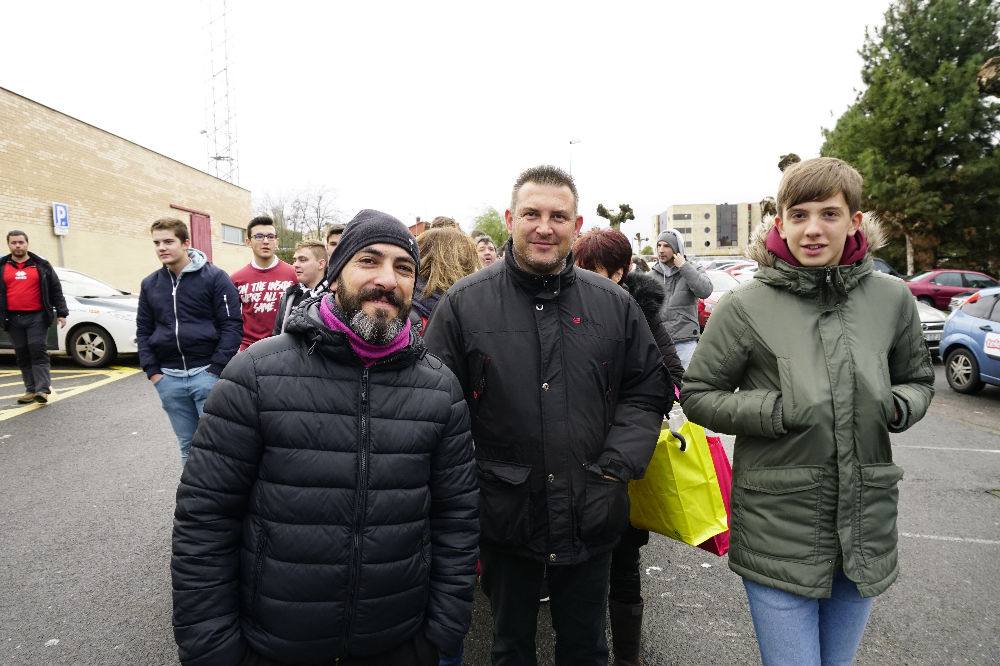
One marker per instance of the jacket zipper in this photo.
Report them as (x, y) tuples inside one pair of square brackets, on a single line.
[(177, 322), (360, 501)]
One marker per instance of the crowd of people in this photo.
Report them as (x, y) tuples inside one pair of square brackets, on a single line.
[(369, 431)]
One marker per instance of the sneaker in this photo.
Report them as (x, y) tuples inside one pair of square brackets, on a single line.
[(42, 398), (27, 398)]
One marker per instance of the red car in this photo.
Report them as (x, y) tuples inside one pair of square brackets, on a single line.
[(939, 286), (721, 283)]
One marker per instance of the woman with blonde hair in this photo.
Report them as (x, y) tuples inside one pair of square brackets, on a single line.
[(447, 254)]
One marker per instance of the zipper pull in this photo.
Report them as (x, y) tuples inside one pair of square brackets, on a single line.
[(313, 346), (828, 276)]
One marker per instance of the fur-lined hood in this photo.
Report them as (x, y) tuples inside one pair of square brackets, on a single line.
[(647, 292), (871, 227)]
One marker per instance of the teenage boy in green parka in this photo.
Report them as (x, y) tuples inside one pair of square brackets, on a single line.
[(811, 365)]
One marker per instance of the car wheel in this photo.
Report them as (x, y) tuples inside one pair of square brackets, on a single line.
[(91, 346), (928, 300), (962, 371)]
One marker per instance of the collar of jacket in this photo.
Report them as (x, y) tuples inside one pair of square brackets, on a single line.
[(829, 285), (304, 322), (542, 287)]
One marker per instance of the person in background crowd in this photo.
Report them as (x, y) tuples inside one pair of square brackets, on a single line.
[(608, 252), (443, 221), (567, 393), (329, 512), (486, 249), (640, 264), (685, 282), (446, 255), (188, 327), (333, 235), (261, 282), (30, 298), (811, 365), (309, 262)]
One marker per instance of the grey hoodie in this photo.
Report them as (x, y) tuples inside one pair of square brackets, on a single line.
[(684, 286)]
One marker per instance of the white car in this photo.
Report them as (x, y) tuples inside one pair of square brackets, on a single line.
[(100, 325)]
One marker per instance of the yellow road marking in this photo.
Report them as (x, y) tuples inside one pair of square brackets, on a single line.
[(77, 376), (114, 374)]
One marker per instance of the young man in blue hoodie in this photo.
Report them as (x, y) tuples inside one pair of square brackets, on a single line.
[(188, 327)]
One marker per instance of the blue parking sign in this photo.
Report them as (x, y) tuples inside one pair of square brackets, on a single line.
[(60, 219)]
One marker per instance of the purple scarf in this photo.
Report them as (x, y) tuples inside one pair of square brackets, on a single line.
[(367, 352)]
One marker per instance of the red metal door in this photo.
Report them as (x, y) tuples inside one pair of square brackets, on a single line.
[(201, 233)]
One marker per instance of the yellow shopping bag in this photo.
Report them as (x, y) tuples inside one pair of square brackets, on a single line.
[(679, 496)]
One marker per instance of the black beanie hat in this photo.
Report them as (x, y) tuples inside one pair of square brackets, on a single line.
[(370, 227)]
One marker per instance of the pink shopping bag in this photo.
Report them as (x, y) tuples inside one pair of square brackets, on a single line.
[(719, 544)]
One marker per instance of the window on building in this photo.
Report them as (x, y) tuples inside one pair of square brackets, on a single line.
[(684, 230), (232, 234), (727, 229), (682, 216)]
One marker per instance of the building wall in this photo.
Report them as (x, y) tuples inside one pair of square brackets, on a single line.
[(700, 226), (114, 189)]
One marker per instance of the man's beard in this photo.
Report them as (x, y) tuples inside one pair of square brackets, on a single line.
[(539, 268), (377, 329)]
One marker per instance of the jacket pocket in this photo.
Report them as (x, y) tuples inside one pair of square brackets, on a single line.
[(878, 509), (789, 407), (258, 567), (504, 502), (777, 511), (605, 509), (885, 389)]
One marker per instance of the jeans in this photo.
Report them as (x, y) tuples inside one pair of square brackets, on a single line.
[(183, 399), (792, 629), (28, 332), (685, 350), (579, 606)]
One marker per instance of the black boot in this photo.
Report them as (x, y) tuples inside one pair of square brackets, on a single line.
[(626, 633)]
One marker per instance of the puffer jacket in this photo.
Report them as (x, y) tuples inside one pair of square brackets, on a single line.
[(190, 320), (53, 301), (824, 359), (649, 295), (327, 509), (683, 287), (564, 382)]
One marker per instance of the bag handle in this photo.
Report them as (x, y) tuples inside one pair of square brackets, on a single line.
[(680, 438)]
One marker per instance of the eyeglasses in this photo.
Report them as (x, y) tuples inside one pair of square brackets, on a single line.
[(260, 237)]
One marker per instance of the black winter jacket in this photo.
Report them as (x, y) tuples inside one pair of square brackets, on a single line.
[(53, 301), (564, 382), (649, 294), (326, 509), (189, 321)]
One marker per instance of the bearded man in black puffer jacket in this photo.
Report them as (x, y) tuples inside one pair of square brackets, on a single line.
[(329, 508)]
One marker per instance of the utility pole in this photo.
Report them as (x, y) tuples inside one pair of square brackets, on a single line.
[(220, 117)]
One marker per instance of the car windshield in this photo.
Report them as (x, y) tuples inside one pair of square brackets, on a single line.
[(722, 281), (84, 286)]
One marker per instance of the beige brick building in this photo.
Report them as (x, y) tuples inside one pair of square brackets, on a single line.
[(114, 189), (710, 229)]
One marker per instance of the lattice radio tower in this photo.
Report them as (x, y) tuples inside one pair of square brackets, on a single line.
[(220, 117)]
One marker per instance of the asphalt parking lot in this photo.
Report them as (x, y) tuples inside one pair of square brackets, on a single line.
[(86, 498)]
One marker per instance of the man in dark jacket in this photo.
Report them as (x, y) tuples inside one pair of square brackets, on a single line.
[(310, 263), (567, 393), (329, 512), (30, 296), (188, 327)]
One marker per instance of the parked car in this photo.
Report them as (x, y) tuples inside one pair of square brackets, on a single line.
[(971, 343), (100, 325), (932, 324), (957, 301), (721, 283), (937, 287), (884, 266)]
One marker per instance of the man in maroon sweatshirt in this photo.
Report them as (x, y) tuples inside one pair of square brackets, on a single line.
[(262, 282)]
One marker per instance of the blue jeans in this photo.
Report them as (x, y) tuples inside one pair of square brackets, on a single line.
[(792, 629), (183, 399)]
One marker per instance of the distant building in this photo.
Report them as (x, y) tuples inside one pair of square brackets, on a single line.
[(710, 229), (112, 189), (419, 227)]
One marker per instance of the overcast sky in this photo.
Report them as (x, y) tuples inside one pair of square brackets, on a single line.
[(433, 108)]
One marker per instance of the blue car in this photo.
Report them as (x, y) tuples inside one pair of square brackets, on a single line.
[(970, 344)]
